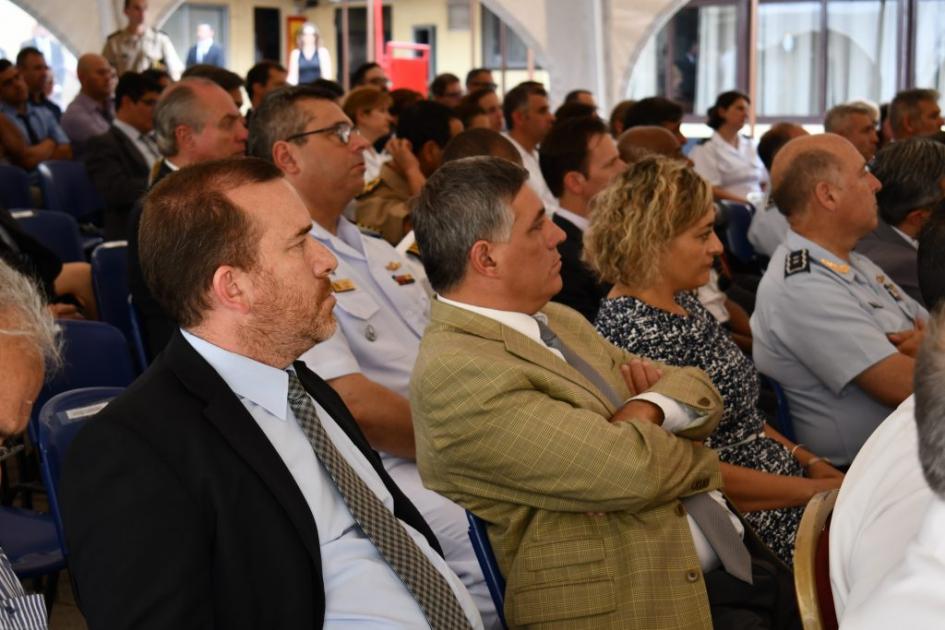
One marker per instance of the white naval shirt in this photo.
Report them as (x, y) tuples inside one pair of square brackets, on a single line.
[(738, 170), (361, 590)]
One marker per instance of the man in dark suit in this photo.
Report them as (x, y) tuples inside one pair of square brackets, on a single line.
[(229, 487), (119, 161), (578, 159), (194, 121), (205, 51), (912, 173)]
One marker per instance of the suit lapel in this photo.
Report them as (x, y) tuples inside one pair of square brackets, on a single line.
[(225, 412), (131, 151), (515, 343)]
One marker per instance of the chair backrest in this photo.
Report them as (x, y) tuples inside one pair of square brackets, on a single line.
[(57, 231), (59, 421), (14, 187), (490, 568), (95, 354), (811, 564), (737, 221), (110, 282), (137, 337), (784, 421), (67, 187)]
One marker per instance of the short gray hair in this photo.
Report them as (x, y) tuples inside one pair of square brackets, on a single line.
[(837, 118), (23, 314), (910, 171), (179, 105), (930, 402), (465, 201), (279, 117), (906, 105)]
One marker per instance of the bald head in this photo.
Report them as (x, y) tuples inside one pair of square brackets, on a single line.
[(637, 142), (95, 75), (801, 164)]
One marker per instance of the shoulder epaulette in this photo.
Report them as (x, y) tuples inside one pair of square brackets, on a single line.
[(369, 187), (796, 262), (369, 231)]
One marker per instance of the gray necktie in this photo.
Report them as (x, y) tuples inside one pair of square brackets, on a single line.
[(712, 519), (426, 584)]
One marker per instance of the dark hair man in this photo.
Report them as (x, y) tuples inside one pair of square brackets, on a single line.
[(231, 82), (528, 119), (656, 110), (229, 461), (41, 134), (262, 79), (480, 79), (446, 89), (578, 159), (35, 73)]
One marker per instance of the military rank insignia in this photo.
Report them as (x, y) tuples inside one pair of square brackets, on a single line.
[(404, 278), (342, 286), (891, 288), (796, 262)]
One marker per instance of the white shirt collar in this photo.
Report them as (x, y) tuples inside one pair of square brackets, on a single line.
[(263, 384), (133, 134), (908, 239), (579, 222), (171, 165), (519, 322)]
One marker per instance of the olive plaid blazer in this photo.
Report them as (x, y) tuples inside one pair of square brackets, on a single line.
[(522, 439)]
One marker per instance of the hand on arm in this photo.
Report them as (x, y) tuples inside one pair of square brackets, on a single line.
[(383, 415), (639, 375), (908, 341)]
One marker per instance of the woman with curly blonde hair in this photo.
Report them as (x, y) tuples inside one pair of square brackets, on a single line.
[(652, 235)]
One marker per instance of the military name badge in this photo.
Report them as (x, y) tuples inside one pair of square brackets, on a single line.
[(342, 286), (392, 266), (404, 278), (891, 288), (796, 262)]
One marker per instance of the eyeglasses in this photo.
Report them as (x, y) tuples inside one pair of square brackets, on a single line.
[(342, 131)]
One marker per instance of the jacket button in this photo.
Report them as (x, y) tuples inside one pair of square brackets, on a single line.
[(680, 510), (692, 576)]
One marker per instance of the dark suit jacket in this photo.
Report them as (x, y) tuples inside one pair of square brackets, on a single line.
[(580, 289), (895, 256), (180, 514), (214, 56), (120, 173), (157, 326)]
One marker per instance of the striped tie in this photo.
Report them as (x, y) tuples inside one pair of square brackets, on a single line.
[(426, 584)]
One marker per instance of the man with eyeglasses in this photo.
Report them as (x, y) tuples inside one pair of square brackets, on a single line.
[(119, 160), (195, 121), (382, 304), (479, 79)]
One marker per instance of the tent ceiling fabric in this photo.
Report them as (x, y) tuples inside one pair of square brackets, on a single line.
[(83, 28), (562, 33)]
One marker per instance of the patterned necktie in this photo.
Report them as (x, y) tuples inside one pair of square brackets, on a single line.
[(711, 517), (426, 584)]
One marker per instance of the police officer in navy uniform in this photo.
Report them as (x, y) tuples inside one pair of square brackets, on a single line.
[(830, 326), (382, 305)]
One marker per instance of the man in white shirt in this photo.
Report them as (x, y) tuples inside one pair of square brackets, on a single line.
[(382, 305), (560, 441), (232, 466), (909, 593), (578, 159), (120, 160), (884, 495), (528, 119)]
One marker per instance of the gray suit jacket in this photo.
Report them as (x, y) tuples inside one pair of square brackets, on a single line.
[(885, 247)]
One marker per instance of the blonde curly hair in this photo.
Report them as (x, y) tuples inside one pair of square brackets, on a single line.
[(638, 214)]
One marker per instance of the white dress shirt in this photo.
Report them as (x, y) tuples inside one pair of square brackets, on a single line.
[(738, 170), (878, 511), (148, 152), (577, 220), (911, 595), (676, 417), (361, 590), (912, 241), (535, 179)]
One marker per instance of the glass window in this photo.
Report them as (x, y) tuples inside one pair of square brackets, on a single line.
[(493, 31), (930, 45), (702, 43), (788, 47), (861, 50)]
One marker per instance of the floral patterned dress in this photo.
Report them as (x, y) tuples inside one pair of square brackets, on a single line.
[(698, 340)]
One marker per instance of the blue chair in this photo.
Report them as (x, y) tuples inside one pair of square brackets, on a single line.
[(14, 187), (110, 283), (30, 541), (737, 220), (57, 231), (67, 187), (95, 354), (137, 337), (479, 538), (59, 422), (785, 423)]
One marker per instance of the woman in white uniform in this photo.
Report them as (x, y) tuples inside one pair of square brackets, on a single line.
[(729, 160), (368, 108)]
